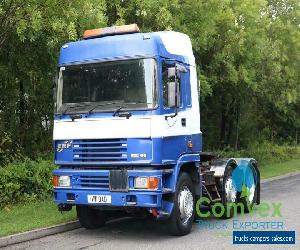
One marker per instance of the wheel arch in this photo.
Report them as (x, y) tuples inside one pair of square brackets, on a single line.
[(189, 163)]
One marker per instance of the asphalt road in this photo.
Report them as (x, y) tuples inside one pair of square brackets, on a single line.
[(211, 234)]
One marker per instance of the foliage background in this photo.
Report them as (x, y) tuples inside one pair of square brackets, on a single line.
[(25, 182), (247, 54)]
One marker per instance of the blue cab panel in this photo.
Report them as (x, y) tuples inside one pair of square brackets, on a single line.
[(115, 47), (136, 151)]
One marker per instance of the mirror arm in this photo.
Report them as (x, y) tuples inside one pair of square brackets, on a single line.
[(173, 115)]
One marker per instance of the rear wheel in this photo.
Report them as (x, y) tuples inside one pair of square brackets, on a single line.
[(229, 195), (249, 196), (90, 218), (181, 219)]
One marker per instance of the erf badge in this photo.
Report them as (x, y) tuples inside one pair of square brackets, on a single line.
[(62, 146)]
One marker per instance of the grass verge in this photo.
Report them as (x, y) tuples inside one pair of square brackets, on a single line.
[(276, 169), (21, 218)]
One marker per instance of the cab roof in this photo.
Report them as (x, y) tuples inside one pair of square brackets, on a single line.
[(167, 44)]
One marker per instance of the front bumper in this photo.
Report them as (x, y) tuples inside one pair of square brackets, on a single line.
[(131, 198), (97, 182)]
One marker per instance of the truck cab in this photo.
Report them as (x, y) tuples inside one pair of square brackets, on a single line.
[(127, 127)]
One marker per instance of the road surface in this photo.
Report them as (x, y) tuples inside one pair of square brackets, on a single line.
[(211, 234)]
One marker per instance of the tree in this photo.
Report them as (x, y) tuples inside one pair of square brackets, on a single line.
[(247, 55), (32, 32)]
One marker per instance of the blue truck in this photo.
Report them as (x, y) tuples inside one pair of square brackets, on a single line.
[(127, 132)]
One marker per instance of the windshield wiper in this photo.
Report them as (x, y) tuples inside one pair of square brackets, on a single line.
[(118, 110), (123, 114), (126, 114), (100, 105), (73, 106)]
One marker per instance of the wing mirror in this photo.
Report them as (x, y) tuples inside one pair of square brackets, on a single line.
[(173, 85), (174, 72), (173, 94)]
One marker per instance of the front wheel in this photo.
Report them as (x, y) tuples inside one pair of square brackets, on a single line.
[(90, 218), (182, 217)]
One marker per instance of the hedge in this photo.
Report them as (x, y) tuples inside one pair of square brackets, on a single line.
[(264, 153), (25, 181)]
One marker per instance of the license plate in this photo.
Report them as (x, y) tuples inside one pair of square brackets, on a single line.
[(99, 199)]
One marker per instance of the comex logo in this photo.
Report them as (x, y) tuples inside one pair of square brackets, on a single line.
[(62, 146)]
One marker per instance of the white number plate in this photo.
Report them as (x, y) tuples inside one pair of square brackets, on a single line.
[(99, 199)]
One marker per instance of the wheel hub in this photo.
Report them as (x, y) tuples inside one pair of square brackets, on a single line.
[(186, 204), (230, 190), (251, 193)]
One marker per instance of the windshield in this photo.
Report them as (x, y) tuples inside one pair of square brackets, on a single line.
[(104, 86)]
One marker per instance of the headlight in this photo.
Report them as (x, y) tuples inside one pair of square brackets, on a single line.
[(141, 182), (61, 181), (146, 182)]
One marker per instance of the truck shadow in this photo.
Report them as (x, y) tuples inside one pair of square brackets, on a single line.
[(134, 228), (130, 228)]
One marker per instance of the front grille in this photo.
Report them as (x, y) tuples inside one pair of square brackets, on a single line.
[(100, 182), (100, 150)]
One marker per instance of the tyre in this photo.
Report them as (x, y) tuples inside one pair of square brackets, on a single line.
[(182, 217), (90, 218), (229, 194)]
